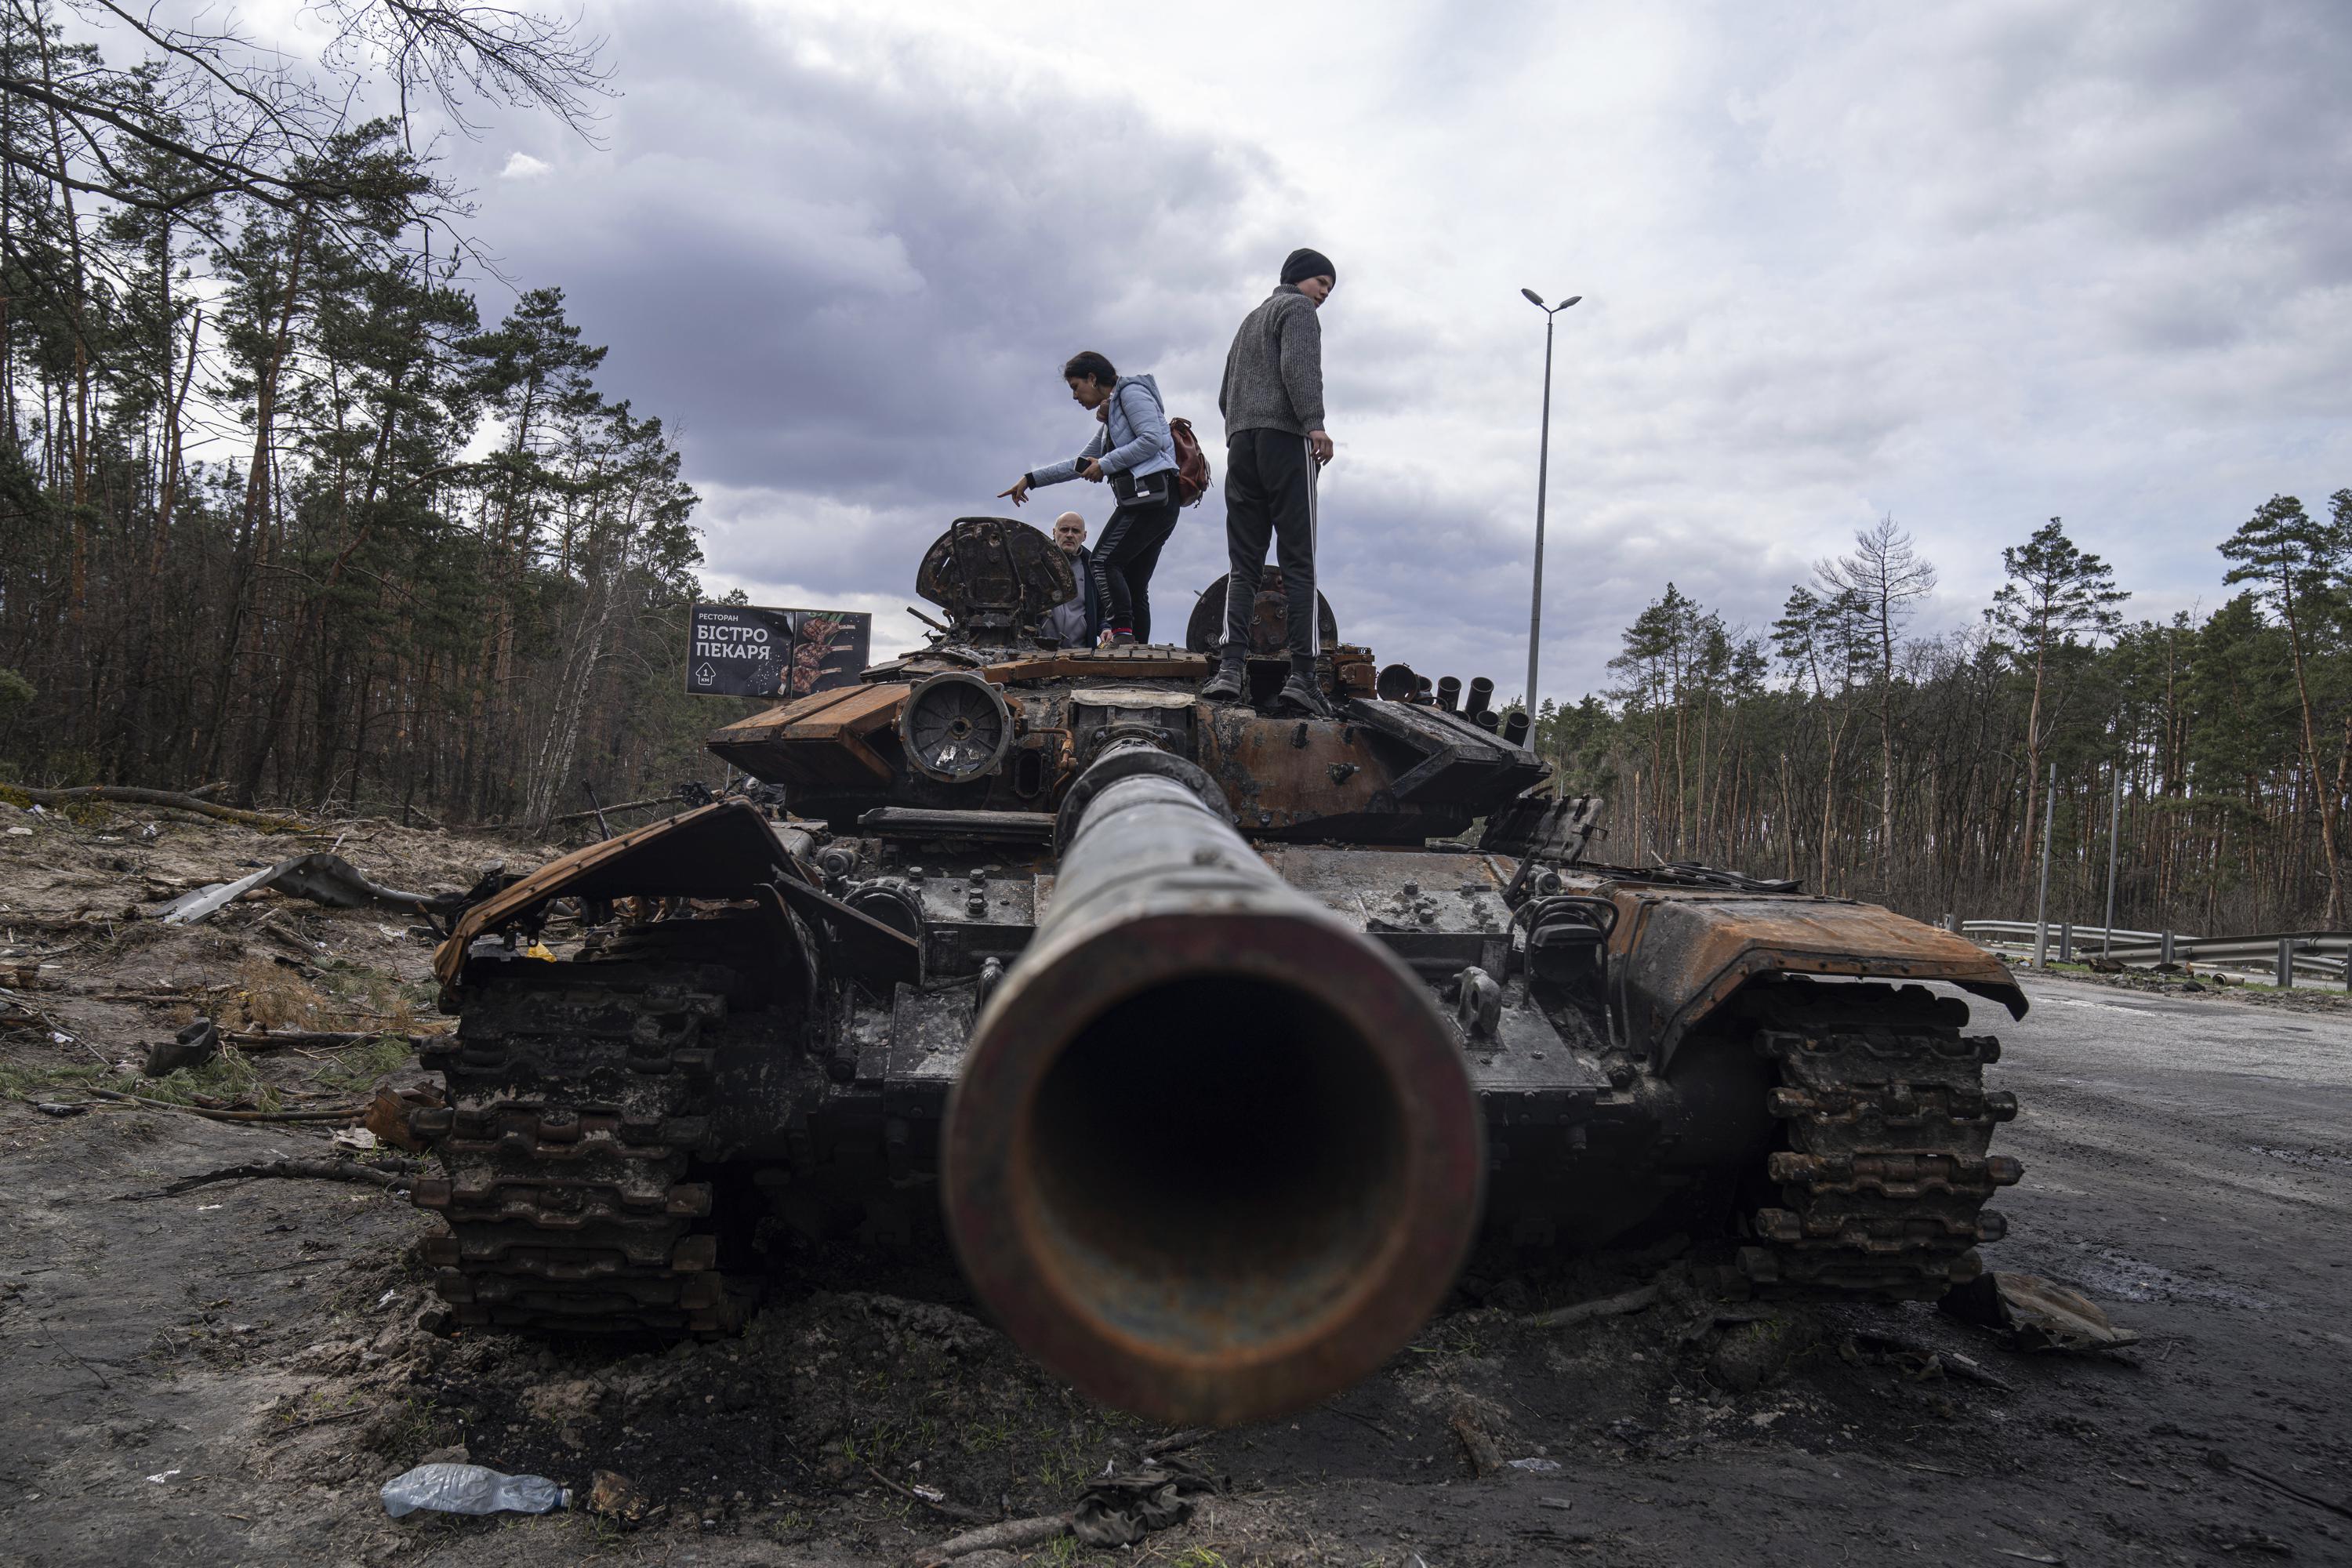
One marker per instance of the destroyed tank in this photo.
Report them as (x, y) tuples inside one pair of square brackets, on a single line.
[(1210, 1039)]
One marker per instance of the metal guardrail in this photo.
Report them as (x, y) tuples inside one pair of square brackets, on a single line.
[(2325, 953), (2082, 933)]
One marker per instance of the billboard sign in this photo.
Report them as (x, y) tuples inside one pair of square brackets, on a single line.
[(744, 651)]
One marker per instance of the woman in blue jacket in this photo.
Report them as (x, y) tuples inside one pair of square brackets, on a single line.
[(1135, 452)]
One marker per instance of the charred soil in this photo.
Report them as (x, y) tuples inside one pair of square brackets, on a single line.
[(228, 1375)]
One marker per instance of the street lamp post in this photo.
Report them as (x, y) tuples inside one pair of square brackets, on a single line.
[(1543, 486)]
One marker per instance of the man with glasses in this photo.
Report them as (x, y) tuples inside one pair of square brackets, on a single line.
[(1073, 622)]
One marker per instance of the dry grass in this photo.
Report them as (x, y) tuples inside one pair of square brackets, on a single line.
[(272, 996)]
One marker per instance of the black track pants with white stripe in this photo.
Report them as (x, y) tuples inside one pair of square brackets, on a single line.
[(1128, 553), (1270, 499)]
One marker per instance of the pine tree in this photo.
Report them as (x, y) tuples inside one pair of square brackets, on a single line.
[(2057, 596), (2296, 561)]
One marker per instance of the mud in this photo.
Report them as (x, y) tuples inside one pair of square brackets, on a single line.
[(226, 1377)]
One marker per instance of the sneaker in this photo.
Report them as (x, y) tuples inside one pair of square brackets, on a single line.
[(1225, 686), (1300, 695)]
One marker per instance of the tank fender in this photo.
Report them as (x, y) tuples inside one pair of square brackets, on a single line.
[(724, 850), (1678, 956)]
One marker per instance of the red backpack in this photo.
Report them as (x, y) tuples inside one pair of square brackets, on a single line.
[(1191, 463)]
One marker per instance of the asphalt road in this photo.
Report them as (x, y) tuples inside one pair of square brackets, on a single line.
[(2189, 1165), (2184, 1153)]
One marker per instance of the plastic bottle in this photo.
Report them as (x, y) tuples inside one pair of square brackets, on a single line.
[(470, 1489)]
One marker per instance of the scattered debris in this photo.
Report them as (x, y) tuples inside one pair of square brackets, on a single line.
[(2034, 1314), (1539, 1465), (359, 1140), (1010, 1536), (352, 1113), (258, 1042), (1758, 1350), (1122, 1508), (570, 817), (192, 1047), (322, 878), (1479, 1447), (470, 1489), (1190, 1437), (353, 1414), (57, 1107), (930, 1498), (1916, 1361), (1635, 1300), (126, 796), (614, 1496), (388, 1176), (387, 1115)]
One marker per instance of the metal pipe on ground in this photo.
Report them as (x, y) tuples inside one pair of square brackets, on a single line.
[(1214, 1156)]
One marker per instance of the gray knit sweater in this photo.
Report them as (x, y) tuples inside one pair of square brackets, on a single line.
[(1274, 373)]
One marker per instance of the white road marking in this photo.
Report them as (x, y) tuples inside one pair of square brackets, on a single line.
[(2102, 1006)]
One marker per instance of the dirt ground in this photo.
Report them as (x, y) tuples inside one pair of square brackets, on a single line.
[(227, 1375)]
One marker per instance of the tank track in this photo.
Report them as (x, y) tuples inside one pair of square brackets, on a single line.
[(578, 1092), (1885, 1169)]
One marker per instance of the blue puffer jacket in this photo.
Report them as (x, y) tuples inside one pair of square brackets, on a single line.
[(1133, 439)]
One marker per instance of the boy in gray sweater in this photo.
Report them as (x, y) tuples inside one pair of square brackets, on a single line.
[(1273, 403)]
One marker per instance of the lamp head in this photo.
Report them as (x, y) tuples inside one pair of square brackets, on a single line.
[(1534, 299)]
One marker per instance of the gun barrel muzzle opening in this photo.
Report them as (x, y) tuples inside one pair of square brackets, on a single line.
[(1214, 1156)]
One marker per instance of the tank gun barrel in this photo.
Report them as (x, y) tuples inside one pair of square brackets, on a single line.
[(1215, 1154)]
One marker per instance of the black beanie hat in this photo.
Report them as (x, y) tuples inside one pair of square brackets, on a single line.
[(1304, 263)]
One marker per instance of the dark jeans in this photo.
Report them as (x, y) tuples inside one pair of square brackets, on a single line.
[(1128, 551), (1270, 499)]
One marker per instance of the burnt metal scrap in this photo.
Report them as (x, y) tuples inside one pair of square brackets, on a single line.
[(330, 880), (1197, 1032)]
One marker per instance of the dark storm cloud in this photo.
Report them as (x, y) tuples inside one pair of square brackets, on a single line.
[(1971, 265), (857, 276), (847, 273)]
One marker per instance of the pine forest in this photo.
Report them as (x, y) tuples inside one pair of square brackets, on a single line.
[(280, 507), (1919, 771)]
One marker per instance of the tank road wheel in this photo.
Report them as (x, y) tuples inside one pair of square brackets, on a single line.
[(578, 1092), (1882, 1167)]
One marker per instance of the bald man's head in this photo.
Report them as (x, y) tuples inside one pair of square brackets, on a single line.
[(1070, 533)]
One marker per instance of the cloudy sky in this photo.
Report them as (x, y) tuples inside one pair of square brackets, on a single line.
[(1973, 265)]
